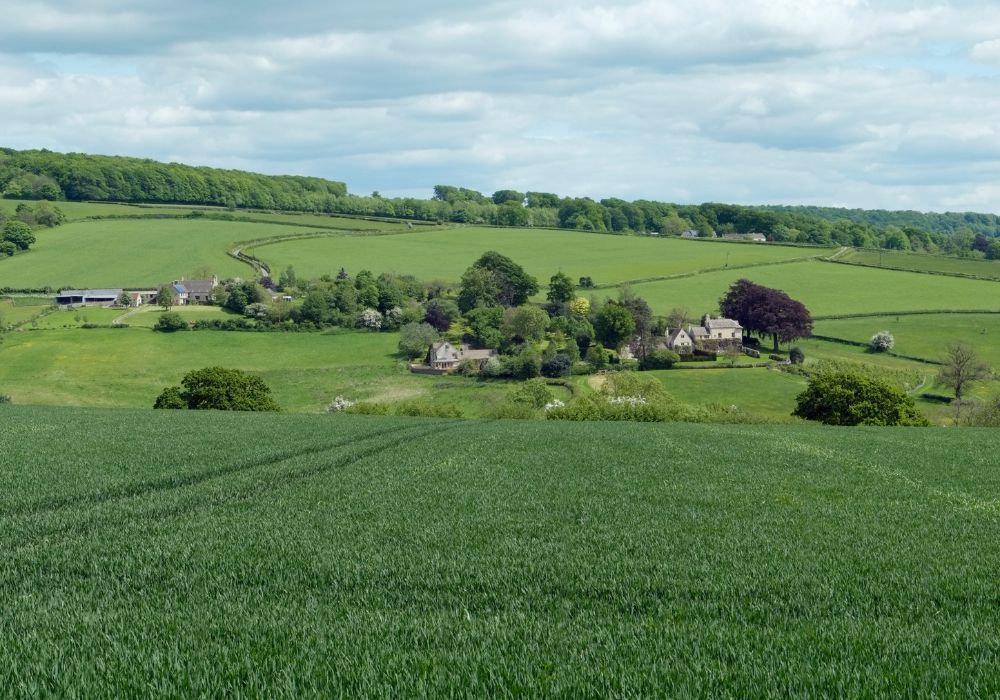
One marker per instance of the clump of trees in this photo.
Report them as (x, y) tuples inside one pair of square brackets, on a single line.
[(851, 398), (169, 322), (766, 312), (218, 388)]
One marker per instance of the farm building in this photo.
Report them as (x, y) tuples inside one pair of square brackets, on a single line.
[(194, 291), (716, 333), (90, 297), (445, 356), (680, 342)]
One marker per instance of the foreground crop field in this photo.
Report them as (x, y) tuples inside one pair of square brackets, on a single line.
[(354, 556), (446, 253)]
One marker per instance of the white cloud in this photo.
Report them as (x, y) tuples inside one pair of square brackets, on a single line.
[(818, 101)]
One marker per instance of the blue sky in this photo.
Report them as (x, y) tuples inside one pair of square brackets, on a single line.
[(883, 103)]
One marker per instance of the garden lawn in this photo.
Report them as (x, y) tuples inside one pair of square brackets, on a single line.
[(186, 554), (446, 253), (828, 288)]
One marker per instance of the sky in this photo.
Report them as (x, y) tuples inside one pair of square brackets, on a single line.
[(879, 104)]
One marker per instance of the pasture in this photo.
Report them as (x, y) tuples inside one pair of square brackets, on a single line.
[(445, 253), (358, 556), (828, 288), (759, 392), (924, 335), (898, 260), (128, 367)]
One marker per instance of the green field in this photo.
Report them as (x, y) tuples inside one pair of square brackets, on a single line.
[(827, 288), (759, 392), (446, 253), (355, 556), (130, 366), (897, 260), (924, 335)]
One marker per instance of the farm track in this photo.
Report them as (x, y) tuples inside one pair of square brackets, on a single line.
[(145, 513)]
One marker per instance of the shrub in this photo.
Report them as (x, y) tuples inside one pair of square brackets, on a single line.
[(218, 388), (171, 397), (882, 342), (558, 366), (597, 357), (415, 338), (795, 355), (407, 408), (659, 359), (850, 398), (532, 393), (5, 399), (170, 321), (508, 410), (339, 404)]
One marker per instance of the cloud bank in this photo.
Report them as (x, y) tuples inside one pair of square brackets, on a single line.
[(841, 102)]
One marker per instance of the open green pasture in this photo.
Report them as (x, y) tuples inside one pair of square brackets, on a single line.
[(130, 253), (898, 260), (760, 392), (827, 288), (182, 554), (17, 310), (446, 253), (79, 211), (130, 366), (924, 335)]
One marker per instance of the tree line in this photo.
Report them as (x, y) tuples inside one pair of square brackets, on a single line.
[(42, 174)]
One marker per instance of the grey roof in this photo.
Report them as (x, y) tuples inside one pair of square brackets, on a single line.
[(695, 331), (199, 286), (723, 323), (90, 292)]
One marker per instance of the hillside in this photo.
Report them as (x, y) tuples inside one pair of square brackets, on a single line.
[(42, 174), (360, 556)]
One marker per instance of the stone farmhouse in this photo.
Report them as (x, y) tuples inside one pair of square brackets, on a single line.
[(446, 357), (713, 335), (194, 291)]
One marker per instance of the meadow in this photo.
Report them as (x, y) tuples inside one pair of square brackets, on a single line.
[(921, 262), (924, 335), (828, 288), (446, 253), (361, 556), (63, 364)]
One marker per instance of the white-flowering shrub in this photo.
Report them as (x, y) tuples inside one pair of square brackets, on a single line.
[(340, 404), (627, 401), (554, 404), (882, 341), (371, 319)]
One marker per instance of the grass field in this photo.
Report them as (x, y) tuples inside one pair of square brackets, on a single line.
[(926, 335), (17, 310), (129, 367), (131, 253), (760, 392), (897, 260), (446, 253), (355, 556), (827, 288)]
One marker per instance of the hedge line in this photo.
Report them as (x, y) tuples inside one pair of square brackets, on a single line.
[(942, 273), (917, 312)]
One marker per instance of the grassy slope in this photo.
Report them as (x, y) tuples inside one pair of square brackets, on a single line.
[(917, 261), (924, 335), (358, 556), (129, 367), (762, 392), (447, 253), (827, 288)]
